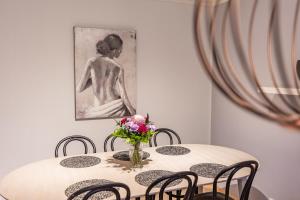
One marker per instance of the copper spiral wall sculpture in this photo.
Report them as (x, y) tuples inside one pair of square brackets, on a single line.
[(226, 46)]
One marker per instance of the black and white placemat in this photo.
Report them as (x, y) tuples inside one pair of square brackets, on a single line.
[(173, 150), (80, 161), (124, 155), (208, 170), (147, 177), (82, 184)]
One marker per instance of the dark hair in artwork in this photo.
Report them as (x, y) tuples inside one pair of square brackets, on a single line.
[(110, 43)]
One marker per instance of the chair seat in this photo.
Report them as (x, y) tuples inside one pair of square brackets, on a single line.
[(209, 195)]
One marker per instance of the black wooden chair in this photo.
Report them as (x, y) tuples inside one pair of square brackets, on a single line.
[(94, 189), (167, 131), (65, 141), (111, 140), (190, 177), (171, 134), (232, 170)]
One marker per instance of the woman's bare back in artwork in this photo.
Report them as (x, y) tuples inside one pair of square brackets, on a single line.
[(106, 77)]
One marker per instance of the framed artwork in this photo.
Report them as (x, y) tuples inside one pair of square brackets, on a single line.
[(105, 73)]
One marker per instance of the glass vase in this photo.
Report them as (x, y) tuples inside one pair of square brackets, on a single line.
[(136, 155)]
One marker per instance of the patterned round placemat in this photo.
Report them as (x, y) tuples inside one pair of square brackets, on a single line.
[(146, 178), (208, 170), (82, 184), (80, 161), (173, 150), (124, 155)]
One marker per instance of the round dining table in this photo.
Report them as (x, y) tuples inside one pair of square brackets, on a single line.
[(56, 178)]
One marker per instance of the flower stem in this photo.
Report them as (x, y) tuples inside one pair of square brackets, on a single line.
[(136, 156)]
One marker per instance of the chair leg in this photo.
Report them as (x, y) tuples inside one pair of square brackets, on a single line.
[(170, 196), (153, 197), (196, 190), (178, 193)]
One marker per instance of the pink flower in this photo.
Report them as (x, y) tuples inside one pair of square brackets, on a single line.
[(132, 126), (142, 128), (151, 127), (123, 121)]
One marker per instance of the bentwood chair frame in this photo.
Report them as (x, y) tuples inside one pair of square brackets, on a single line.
[(67, 140), (110, 187), (112, 141), (170, 134), (185, 175), (252, 165), (167, 131)]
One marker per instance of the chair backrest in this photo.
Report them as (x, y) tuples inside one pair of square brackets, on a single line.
[(84, 140), (167, 131), (109, 139), (252, 165), (94, 189), (190, 177)]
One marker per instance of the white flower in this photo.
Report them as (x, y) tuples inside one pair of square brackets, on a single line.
[(139, 118)]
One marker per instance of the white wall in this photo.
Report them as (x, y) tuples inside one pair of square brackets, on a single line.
[(36, 72)]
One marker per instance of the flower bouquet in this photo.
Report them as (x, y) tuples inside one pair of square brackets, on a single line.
[(135, 130)]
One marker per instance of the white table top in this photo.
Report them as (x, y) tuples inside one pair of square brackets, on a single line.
[(48, 180)]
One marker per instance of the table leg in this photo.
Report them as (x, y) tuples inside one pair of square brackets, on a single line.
[(241, 183), (200, 189)]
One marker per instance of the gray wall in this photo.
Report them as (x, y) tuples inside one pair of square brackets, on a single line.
[(36, 72), (276, 147)]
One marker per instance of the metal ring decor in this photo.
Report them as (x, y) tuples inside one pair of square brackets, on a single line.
[(241, 57)]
